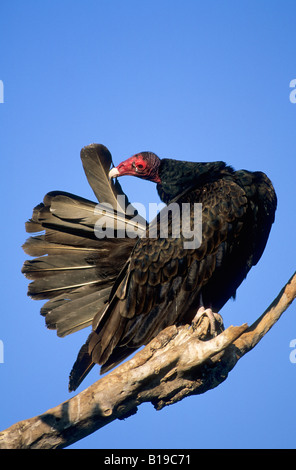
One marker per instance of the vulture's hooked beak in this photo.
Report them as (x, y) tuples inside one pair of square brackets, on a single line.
[(113, 173)]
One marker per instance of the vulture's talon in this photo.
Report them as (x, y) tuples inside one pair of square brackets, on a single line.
[(213, 317)]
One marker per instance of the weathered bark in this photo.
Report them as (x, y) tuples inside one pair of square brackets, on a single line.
[(179, 362)]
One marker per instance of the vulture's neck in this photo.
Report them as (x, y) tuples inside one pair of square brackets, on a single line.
[(178, 176)]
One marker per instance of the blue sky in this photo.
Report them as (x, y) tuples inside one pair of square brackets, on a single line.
[(192, 80)]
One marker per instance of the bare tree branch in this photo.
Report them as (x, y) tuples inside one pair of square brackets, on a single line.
[(179, 362)]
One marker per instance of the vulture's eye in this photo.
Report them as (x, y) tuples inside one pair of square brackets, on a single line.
[(138, 167)]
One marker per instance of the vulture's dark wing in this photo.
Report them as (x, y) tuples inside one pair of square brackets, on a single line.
[(163, 283), (73, 268)]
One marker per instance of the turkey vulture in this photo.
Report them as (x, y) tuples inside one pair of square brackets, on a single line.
[(131, 288)]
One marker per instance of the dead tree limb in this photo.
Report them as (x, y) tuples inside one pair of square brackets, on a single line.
[(179, 362)]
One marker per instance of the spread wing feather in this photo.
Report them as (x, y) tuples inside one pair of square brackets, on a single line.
[(97, 160), (72, 267), (96, 170)]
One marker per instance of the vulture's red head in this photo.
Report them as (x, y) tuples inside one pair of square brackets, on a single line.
[(144, 165)]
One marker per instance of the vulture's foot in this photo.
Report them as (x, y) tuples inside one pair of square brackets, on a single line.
[(216, 321)]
